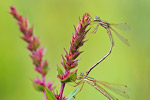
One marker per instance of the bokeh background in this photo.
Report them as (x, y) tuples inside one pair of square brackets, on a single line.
[(53, 21)]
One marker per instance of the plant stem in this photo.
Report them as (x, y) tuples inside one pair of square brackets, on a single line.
[(43, 79), (61, 90), (45, 98)]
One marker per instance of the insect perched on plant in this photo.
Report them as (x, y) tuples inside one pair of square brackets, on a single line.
[(120, 89), (107, 26)]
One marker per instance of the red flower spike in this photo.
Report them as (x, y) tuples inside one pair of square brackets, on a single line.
[(34, 47), (77, 41), (70, 62)]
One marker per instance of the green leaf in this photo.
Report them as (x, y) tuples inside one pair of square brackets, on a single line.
[(59, 70), (37, 86), (45, 68), (72, 77), (49, 95), (72, 94)]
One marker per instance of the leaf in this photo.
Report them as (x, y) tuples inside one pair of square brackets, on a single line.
[(49, 95), (72, 94), (59, 70), (45, 68), (37, 86), (72, 77)]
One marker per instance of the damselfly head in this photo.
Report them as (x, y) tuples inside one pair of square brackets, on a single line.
[(97, 18), (81, 75)]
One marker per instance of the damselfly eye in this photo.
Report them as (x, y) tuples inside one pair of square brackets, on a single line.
[(82, 74), (96, 18)]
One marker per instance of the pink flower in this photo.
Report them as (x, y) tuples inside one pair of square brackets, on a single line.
[(49, 86)]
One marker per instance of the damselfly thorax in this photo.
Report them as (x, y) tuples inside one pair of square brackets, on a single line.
[(104, 24)]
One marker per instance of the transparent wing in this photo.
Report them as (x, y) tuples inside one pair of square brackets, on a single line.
[(120, 89), (104, 92), (100, 89), (123, 39), (122, 26)]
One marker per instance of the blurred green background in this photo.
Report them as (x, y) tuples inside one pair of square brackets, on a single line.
[(53, 22)]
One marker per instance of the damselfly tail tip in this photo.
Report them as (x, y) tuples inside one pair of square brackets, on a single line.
[(126, 86)]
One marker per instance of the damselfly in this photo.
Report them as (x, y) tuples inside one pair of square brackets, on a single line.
[(120, 89), (108, 27)]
